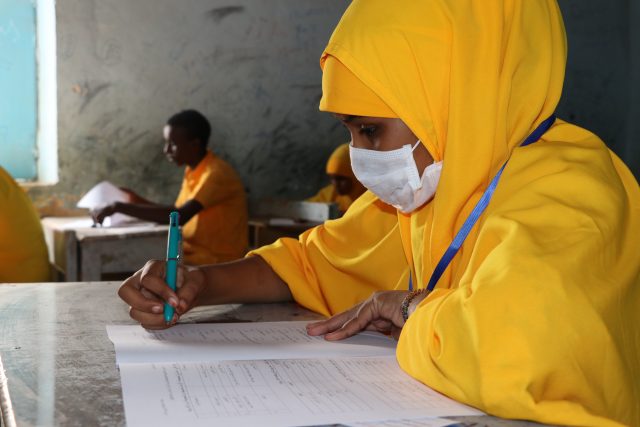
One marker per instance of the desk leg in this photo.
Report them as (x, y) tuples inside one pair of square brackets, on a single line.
[(71, 270), (90, 263)]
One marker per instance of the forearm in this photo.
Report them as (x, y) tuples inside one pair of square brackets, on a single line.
[(249, 280), (148, 212)]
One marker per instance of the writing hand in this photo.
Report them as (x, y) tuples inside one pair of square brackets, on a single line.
[(146, 291)]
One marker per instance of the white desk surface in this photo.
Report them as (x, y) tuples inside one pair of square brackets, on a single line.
[(60, 365), (83, 230)]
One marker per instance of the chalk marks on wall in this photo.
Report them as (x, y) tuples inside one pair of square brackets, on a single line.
[(88, 91), (109, 51), (219, 13)]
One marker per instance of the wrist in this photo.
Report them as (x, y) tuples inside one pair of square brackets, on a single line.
[(411, 301)]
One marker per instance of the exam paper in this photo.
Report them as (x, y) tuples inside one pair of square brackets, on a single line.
[(418, 422), (285, 392), (237, 341), (103, 194)]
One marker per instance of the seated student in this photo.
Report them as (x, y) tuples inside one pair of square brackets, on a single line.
[(23, 252), (536, 315), (344, 188), (212, 202)]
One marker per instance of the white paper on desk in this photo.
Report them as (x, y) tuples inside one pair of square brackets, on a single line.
[(418, 422), (103, 194), (286, 392), (237, 341)]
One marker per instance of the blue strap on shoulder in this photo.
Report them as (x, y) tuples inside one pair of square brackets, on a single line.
[(482, 204)]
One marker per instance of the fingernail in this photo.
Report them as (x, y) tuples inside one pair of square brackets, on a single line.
[(173, 301), (156, 309)]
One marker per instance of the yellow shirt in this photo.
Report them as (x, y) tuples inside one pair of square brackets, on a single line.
[(537, 316), (23, 252), (219, 232)]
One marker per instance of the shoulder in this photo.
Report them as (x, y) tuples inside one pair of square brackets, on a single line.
[(567, 181), (218, 167)]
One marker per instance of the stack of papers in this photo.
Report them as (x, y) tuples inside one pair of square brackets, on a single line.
[(268, 374)]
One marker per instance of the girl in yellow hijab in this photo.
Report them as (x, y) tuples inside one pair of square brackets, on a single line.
[(522, 228), (344, 188)]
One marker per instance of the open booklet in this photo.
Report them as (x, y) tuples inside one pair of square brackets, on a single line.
[(267, 374)]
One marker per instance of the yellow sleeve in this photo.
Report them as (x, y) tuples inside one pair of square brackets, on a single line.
[(219, 183), (23, 252), (325, 195), (340, 263), (544, 323)]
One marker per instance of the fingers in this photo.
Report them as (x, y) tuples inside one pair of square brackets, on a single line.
[(130, 291), (150, 320), (95, 216), (152, 279), (145, 292), (381, 312), (190, 283), (331, 324), (357, 323)]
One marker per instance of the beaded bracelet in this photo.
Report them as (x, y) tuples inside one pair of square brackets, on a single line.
[(404, 308)]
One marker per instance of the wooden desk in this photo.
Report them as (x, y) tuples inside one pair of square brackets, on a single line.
[(60, 364), (85, 253)]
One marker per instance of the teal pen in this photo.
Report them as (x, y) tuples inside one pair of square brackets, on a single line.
[(173, 259)]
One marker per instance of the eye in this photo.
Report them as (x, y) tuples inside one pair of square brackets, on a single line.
[(368, 130)]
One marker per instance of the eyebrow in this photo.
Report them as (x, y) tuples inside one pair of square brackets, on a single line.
[(349, 118)]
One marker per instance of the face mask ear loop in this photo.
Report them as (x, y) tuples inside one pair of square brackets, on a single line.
[(414, 147)]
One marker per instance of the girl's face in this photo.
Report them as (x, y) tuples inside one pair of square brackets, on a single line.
[(383, 134)]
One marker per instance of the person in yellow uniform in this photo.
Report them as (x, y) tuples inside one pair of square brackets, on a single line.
[(23, 252), (497, 242), (344, 188), (212, 200)]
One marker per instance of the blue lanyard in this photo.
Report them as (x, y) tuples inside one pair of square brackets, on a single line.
[(482, 204)]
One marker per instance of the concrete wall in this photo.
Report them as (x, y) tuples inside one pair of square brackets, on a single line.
[(602, 85), (252, 67)]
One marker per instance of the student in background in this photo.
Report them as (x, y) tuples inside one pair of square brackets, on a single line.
[(211, 203), (536, 316), (344, 188), (23, 252)]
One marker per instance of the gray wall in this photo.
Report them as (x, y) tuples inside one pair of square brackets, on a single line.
[(602, 86), (252, 67)]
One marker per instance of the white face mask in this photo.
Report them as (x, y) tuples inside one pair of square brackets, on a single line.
[(393, 176)]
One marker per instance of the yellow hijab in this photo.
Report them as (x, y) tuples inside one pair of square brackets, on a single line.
[(470, 102), (339, 162)]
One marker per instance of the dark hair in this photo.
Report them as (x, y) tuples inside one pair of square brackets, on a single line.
[(194, 123)]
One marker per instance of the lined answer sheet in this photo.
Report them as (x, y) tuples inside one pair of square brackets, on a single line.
[(237, 341), (417, 422), (267, 374), (285, 392)]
